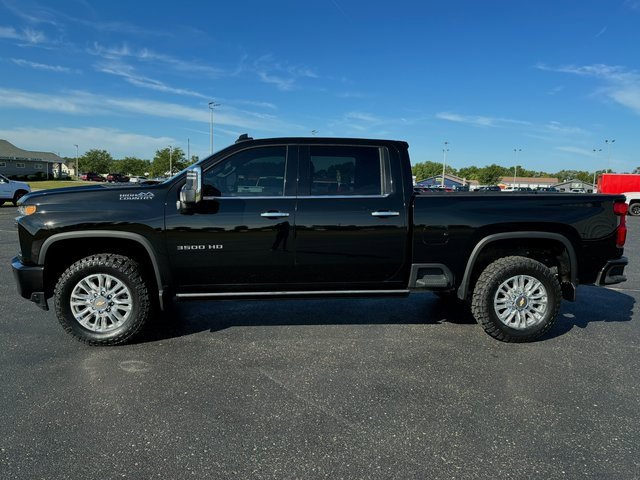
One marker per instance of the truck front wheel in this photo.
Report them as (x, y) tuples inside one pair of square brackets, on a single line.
[(634, 209), (516, 299), (103, 299)]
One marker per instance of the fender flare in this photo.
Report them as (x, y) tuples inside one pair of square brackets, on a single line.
[(463, 290), (109, 234)]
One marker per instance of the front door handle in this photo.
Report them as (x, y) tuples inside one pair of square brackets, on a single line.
[(384, 213), (274, 214)]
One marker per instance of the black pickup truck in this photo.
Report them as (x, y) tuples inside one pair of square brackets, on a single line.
[(308, 217)]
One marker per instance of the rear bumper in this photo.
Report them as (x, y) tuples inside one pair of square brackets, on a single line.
[(30, 282), (613, 272)]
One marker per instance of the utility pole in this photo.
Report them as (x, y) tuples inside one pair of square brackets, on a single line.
[(444, 161), (77, 168), (595, 151), (515, 169), (609, 143), (170, 161)]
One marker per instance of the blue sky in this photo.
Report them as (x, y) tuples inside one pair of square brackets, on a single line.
[(553, 78)]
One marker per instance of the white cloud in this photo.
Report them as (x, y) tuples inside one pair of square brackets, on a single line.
[(28, 35), (85, 103), (621, 84), (478, 120), (284, 76), (42, 66), (62, 139), (128, 73), (559, 128), (149, 56), (577, 150)]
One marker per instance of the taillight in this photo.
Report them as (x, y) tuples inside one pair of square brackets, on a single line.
[(621, 209)]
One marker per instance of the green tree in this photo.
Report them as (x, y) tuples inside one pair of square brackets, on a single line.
[(99, 161), (429, 169), (133, 166), (564, 175), (160, 164), (490, 175), (470, 173)]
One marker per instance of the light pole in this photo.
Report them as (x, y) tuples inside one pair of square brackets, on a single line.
[(212, 105), (595, 151), (444, 161), (77, 169), (609, 142), (170, 161), (515, 169)]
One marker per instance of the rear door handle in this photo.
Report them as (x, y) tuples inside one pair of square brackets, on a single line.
[(384, 213), (274, 214)]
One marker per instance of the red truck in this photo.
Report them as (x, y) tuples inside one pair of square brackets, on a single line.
[(625, 183)]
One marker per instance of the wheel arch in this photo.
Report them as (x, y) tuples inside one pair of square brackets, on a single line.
[(499, 238), (131, 243), (634, 205)]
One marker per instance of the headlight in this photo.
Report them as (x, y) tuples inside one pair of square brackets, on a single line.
[(24, 210)]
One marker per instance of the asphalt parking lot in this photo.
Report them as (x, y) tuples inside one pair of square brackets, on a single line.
[(350, 388)]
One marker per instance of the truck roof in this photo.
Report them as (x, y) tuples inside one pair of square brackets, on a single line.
[(243, 139)]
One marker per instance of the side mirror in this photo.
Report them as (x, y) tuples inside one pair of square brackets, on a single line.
[(191, 192)]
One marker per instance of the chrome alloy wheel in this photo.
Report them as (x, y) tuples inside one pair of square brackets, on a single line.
[(521, 302), (101, 303)]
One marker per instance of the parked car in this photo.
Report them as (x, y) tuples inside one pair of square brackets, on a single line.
[(203, 235), (547, 189), (137, 179), (12, 191), (117, 178), (92, 177), (489, 188), (578, 190)]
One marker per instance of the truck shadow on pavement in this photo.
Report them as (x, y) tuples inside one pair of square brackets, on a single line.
[(593, 305), (187, 318)]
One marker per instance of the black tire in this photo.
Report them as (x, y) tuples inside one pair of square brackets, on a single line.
[(634, 209), (1, 202), (533, 313), (17, 196), (120, 272)]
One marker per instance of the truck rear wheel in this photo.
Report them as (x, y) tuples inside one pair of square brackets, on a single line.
[(103, 299), (516, 299)]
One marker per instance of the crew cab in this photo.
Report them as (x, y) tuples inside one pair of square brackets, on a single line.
[(310, 217), (11, 190)]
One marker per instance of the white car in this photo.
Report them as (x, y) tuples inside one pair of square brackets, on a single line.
[(137, 179), (12, 191), (633, 199)]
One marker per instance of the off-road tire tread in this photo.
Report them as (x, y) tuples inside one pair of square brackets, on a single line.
[(482, 299), (123, 265)]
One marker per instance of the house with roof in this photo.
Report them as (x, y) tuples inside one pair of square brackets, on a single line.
[(531, 182), (450, 181), (16, 162), (575, 186)]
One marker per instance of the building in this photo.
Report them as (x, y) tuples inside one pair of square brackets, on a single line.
[(16, 162), (531, 182), (450, 181), (575, 186)]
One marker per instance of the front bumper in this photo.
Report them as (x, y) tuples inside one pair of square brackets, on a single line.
[(30, 282), (612, 272)]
